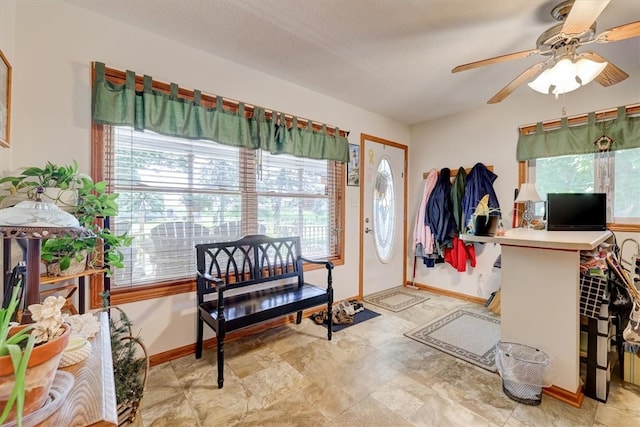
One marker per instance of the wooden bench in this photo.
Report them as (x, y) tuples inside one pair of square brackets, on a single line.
[(251, 280)]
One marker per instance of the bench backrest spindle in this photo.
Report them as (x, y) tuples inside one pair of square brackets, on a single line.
[(250, 260)]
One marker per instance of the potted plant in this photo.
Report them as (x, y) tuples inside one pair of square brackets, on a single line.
[(130, 363), (484, 221), (59, 183), (90, 204), (94, 204), (29, 356)]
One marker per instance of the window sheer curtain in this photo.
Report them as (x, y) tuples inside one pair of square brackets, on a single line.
[(186, 117)]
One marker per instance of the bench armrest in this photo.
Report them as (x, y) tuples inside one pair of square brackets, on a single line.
[(327, 264), (213, 281)]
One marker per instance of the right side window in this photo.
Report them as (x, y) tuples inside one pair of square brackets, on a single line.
[(615, 173)]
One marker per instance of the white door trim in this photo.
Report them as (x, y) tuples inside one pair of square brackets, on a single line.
[(363, 142)]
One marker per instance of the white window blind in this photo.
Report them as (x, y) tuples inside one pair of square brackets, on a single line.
[(176, 193)]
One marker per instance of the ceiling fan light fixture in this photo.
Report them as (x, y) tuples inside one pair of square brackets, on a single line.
[(566, 76), (588, 70)]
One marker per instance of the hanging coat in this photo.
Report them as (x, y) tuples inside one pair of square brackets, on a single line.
[(457, 193), (422, 235), (439, 216), (459, 254), (479, 182)]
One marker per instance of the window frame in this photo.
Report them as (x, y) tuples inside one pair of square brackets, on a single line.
[(524, 175), (98, 283)]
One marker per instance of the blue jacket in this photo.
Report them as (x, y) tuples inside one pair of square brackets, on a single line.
[(479, 182), (439, 215)]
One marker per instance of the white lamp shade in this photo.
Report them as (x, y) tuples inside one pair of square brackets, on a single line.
[(566, 76), (528, 193), (588, 70)]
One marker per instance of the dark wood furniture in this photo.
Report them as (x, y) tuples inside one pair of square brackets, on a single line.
[(251, 280)]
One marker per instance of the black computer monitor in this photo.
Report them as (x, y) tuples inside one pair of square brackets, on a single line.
[(576, 211)]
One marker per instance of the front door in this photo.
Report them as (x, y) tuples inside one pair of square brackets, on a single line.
[(383, 242)]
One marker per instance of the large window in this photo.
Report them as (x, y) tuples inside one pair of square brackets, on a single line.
[(614, 173), (175, 193)]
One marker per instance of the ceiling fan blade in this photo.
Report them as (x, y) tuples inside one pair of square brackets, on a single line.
[(622, 32), (524, 77), (610, 75), (582, 15), (495, 59)]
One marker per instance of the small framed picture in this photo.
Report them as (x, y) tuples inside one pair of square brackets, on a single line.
[(5, 100), (353, 167)]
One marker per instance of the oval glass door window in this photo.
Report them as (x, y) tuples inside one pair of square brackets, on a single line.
[(384, 211)]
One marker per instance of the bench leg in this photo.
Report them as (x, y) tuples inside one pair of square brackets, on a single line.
[(329, 320), (299, 317), (220, 361), (199, 338)]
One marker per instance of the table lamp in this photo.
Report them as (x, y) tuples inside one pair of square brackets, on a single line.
[(528, 195)]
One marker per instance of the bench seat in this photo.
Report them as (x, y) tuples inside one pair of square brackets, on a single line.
[(258, 306)]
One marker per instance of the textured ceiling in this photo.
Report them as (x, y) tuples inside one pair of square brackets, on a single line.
[(392, 57)]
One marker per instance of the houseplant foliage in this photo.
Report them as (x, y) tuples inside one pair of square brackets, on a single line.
[(480, 221), (94, 204), (32, 353), (91, 204), (64, 178), (130, 363)]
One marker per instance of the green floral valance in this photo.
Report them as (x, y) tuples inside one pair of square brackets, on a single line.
[(580, 139), (168, 114)]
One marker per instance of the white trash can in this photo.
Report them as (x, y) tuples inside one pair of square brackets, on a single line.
[(524, 371)]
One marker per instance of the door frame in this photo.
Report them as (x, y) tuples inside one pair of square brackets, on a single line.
[(363, 138)]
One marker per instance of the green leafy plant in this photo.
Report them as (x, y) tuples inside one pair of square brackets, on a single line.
[(51, 175), (20, 344), (19, 358), (129, 368), (94, 204)]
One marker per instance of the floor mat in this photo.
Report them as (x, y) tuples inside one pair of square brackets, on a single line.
[(396, 299), (359, 317), (465, 334)]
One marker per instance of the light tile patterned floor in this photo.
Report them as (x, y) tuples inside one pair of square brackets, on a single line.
[(368, 375)]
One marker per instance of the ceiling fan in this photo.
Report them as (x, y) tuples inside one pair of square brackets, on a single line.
[(560, 44)]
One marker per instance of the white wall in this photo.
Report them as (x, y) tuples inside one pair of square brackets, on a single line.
[(489, 135), (7, 29), (54, 45)]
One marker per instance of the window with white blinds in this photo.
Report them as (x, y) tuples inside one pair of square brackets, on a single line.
[(176, 193)]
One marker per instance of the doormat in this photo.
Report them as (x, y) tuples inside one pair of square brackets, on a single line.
[(465, 334), (359, 317), (396, 299)]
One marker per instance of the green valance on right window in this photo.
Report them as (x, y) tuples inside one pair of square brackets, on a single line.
[(173, 115), (565, 140)]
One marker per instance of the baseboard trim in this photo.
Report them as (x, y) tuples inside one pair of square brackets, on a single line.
[(445, 292), (176, 353), (573, 399)]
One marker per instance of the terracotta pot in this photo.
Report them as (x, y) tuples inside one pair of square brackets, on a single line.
[(41, 370)]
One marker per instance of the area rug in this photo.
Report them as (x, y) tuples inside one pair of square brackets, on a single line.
[(359, 317), (462, 333), (396, 299)]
